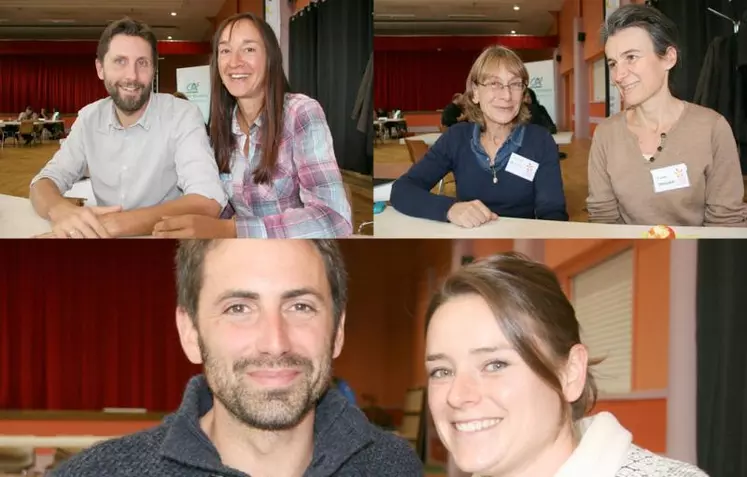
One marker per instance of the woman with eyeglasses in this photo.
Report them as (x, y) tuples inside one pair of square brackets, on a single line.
[(502, 165), (661, 161)]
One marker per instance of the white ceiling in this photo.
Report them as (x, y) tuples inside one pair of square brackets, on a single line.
[(86, 19), (464, 17)]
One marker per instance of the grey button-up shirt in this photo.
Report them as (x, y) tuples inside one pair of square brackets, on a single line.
[(164, 155)]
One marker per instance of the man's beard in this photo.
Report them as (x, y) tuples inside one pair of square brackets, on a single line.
[(267, 409), (128, 104)]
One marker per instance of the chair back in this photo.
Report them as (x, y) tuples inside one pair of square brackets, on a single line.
[(417, 149), (27, 127), (16, 459)]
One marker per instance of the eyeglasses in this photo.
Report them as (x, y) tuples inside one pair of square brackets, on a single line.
[(516, 87)]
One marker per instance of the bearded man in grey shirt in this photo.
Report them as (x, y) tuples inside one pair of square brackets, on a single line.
[(148, 155)]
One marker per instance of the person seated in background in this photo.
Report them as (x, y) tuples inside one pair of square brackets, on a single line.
[(286, 185), (26, 114), (452, 113), (264, 319), (57, 130), (662, 161), (147, 153), (504, 356), (43, 115), (539, 114), (502, 165)]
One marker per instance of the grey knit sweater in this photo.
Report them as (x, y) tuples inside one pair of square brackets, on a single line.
[(345, 445)]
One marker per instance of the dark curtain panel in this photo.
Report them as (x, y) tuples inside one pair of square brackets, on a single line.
[(303, 52), (85, 326), (697, 28), (330, 45), (722, 357), (724, 89)]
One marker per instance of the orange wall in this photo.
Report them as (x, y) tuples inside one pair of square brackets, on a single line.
[(376, 358), (301, 4), (488, 247), (423, 118), (433, 260), (565, 28), (74, 427), (651, 315), (592, 20), (562, 252), (646, 419)]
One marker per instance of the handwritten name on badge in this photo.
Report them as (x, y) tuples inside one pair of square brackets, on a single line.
[(670, 178), (521, 166)]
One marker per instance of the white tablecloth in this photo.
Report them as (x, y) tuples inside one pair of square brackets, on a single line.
[(51, 441), (391, 223), (37, 122), (18, 219), (430, 139)]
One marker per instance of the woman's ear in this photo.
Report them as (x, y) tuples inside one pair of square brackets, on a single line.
[(573, 378), (670, 57)]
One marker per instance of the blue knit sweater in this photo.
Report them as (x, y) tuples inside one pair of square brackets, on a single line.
[(345, 445), (459, 151)]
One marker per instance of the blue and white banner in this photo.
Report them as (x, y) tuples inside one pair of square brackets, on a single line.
[(194, 82), (542, 82)]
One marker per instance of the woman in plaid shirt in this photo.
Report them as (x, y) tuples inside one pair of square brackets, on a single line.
[(273, 148)]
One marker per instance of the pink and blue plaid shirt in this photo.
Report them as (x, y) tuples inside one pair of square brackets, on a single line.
[(306, 198)]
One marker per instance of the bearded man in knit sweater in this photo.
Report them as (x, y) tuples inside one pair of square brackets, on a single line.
[(265, 318)]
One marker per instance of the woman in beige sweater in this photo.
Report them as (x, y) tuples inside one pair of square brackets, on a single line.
[(509, 383), (661, 160)]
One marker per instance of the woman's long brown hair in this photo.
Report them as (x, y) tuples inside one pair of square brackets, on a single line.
[(222, 103)]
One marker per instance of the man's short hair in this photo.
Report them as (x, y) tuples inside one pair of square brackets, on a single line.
[(190, 260), (126, 26)]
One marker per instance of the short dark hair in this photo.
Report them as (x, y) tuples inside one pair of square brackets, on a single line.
[(126, 26), (190, 259), (532, 310), (661, 29)]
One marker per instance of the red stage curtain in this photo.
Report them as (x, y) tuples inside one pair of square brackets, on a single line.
[(419, 80), (64, 82), (89, 324)]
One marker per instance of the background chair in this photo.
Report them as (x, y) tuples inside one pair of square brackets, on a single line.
[(17, 460)]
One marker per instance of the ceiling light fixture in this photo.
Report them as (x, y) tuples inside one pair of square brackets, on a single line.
[(513, 32), (517, 8), (170, 38), (173, 14)]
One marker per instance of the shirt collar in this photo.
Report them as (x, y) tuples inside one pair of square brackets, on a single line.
[(236, 129), (144, 121), (516, 136)]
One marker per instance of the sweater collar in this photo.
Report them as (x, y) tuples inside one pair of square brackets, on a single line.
[(340, 430), (603, 448)]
